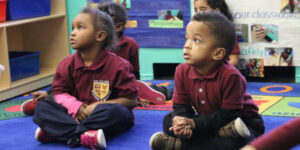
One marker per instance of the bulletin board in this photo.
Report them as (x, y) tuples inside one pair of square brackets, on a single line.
[(267, 31), (149, 25)]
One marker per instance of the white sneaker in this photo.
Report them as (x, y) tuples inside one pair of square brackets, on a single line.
[(235, 128), (93, 139)]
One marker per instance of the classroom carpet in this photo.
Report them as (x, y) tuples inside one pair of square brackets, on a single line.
[(278, 103)]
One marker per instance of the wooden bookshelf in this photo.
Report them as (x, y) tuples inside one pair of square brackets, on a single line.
[(47, 35)]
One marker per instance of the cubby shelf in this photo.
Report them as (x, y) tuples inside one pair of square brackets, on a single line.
[(47, 35)]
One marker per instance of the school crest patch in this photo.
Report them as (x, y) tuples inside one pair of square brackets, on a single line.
[(101, 90)]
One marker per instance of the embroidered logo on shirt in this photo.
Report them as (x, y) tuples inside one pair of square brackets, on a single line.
[(101, 90)]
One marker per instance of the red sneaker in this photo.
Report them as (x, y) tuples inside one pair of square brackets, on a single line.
[(94, 139), (147, 93), (43, 136), (28, 106)]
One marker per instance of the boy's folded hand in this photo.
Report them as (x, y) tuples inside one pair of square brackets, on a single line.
[(185, 133), (183, 121), (181, 127)]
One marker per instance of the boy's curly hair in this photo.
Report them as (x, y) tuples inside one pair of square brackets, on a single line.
[(221, 28)]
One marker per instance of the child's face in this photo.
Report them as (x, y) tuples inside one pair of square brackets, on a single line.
[(201, 5), (83, 33), (199, 46), (119, 27)]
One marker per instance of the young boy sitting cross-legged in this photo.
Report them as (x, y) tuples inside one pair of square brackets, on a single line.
[(226, 116)]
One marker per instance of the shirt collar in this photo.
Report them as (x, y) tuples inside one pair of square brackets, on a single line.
[(122, 40), (195, 75), (98, 62)]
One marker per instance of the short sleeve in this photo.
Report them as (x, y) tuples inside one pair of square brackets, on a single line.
[(180, 94), (63, 82)]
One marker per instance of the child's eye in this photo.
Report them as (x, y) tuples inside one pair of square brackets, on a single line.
[(80, 27), (196, 41), (72, 28)]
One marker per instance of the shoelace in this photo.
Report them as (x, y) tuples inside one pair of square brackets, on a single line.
[(89, 140)]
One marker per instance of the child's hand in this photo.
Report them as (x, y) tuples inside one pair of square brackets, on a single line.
[(90, 108), (82, 113), (185, 132), (143, 103), (183, 121), (38, 95), (181, 127)]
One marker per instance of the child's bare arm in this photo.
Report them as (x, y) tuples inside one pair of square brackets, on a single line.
[(38, 95)]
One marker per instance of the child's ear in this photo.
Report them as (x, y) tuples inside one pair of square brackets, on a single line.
[(101, 35), (219, 54), (119, 27)]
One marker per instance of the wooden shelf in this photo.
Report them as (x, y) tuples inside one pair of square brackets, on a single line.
[(47, 35), (31, 20), (44, 73), (28, 84)]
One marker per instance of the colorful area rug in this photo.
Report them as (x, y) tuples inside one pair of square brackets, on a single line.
[(167, 107), (272, 99), (11, 109)]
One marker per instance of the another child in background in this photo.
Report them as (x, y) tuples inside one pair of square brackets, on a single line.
[(282, 138), (93, 89), (128, 49), (211, 86), (221, 6)]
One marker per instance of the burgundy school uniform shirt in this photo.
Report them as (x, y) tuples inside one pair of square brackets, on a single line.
[(129, 50), (284, 137), (109, 77), (224, 88)]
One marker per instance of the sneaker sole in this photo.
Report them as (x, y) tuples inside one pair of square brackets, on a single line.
[(155, 97), (24, 104), (152, 138), (241, 128), (36, 134), (101, 139)]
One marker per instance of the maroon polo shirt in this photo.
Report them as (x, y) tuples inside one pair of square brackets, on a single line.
[(89, 84), (129, 50), (224, 88)]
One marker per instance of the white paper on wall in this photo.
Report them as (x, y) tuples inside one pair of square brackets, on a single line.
[(270, 25)]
